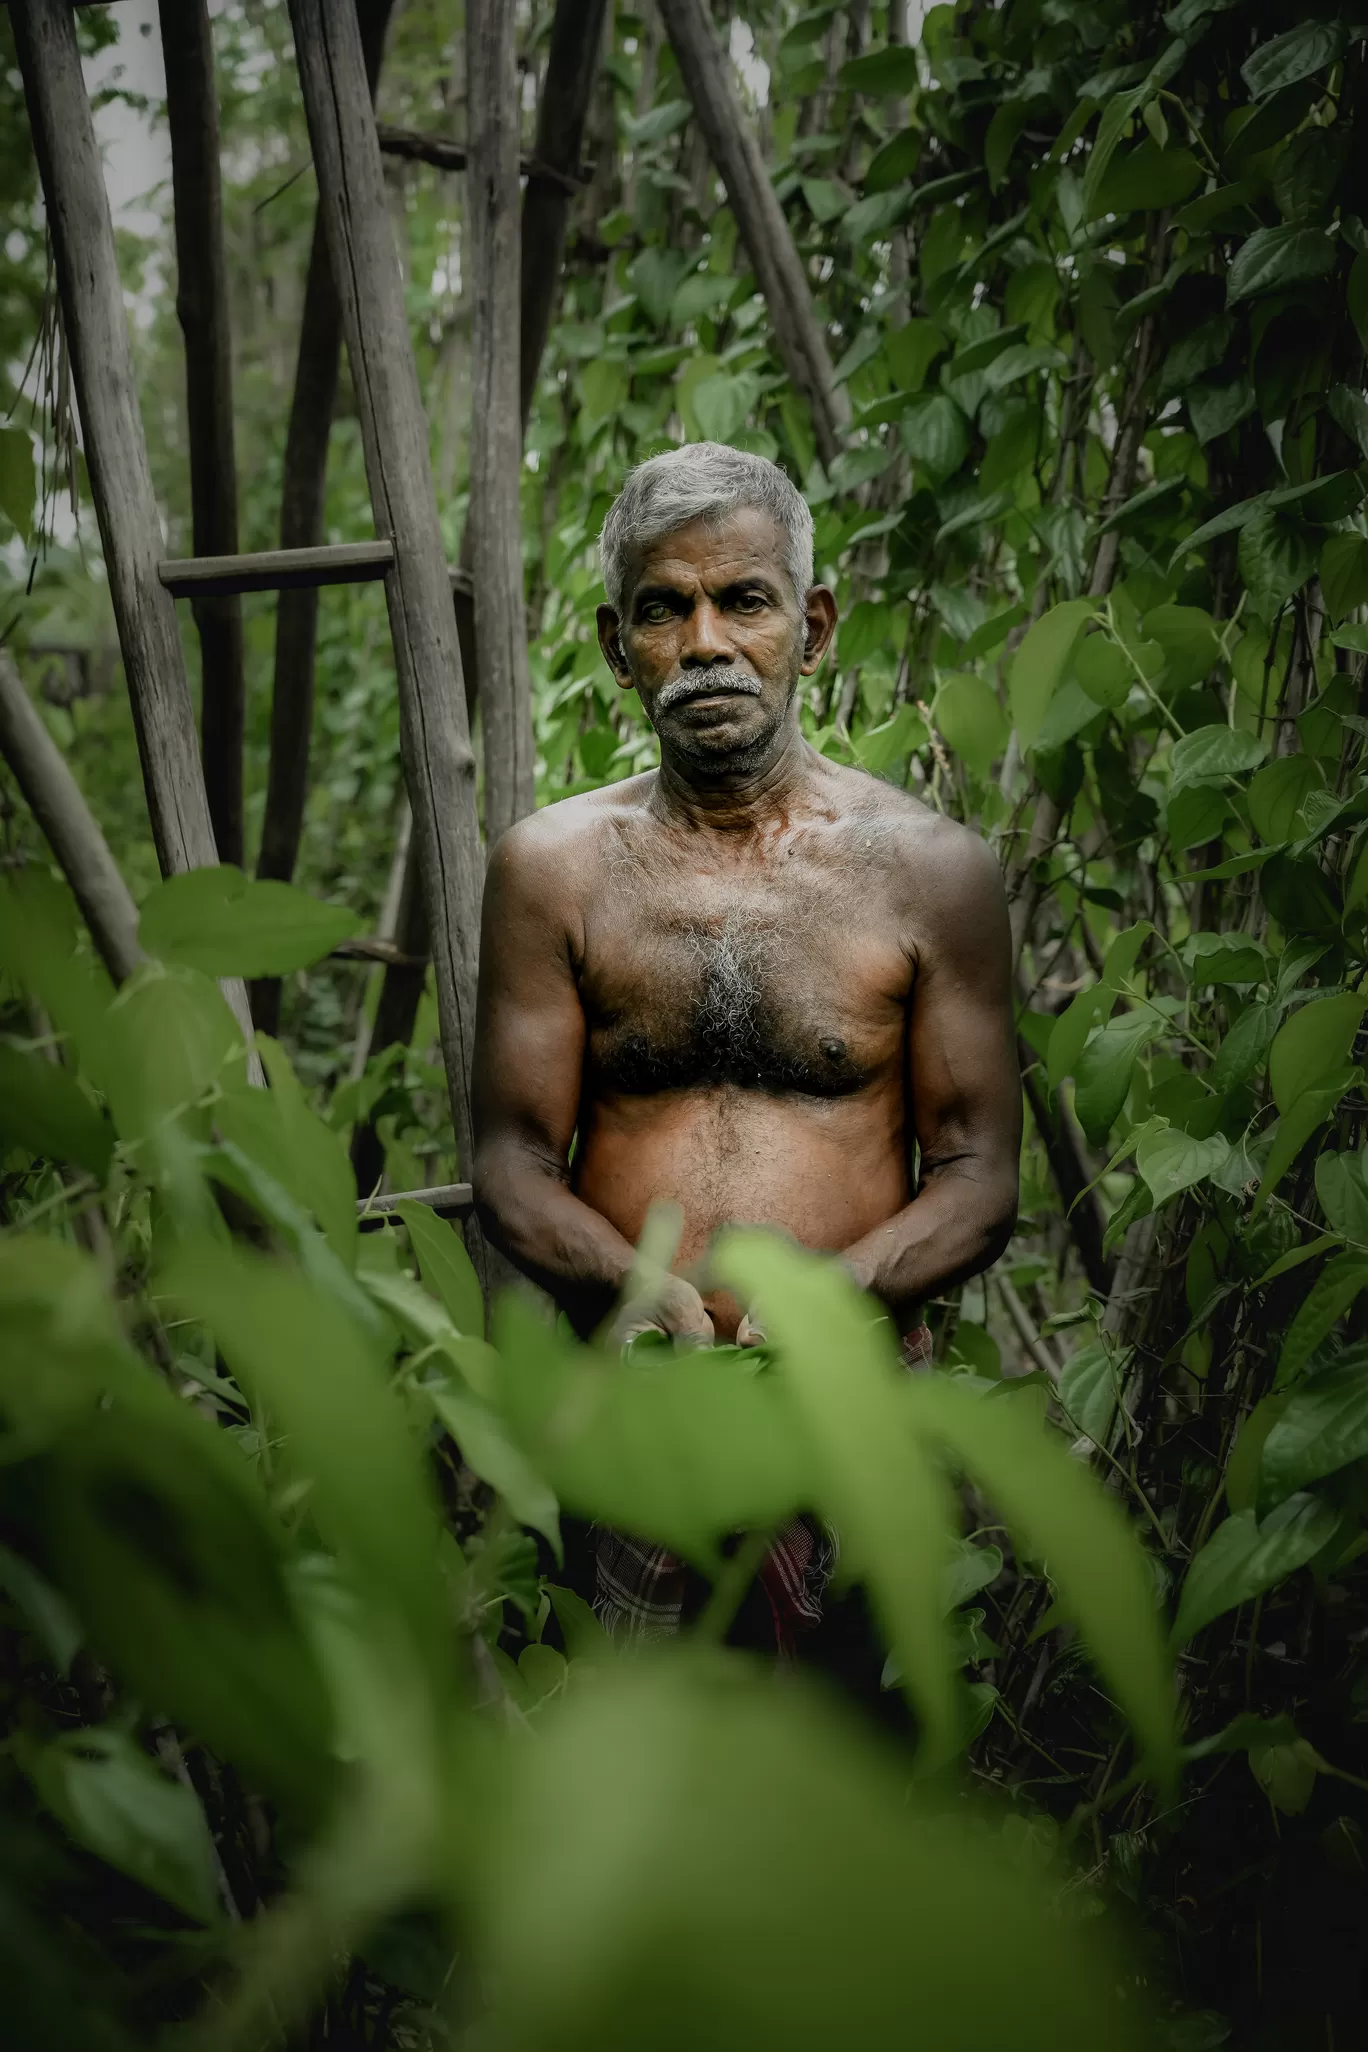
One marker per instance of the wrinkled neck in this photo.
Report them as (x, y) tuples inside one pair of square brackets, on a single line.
[(736, 797)]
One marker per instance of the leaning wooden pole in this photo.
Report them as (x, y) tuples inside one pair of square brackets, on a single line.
[(764, 230), (112, 436), (495, 519), (439, 766), (202, 309), (55, 799)]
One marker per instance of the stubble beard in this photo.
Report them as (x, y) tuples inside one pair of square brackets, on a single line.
[(701, 748)]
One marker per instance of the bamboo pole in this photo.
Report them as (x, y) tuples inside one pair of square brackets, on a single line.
[(495, 520), (764, 230), (439, 766), (55, 799), (203, 312), (112, 435)]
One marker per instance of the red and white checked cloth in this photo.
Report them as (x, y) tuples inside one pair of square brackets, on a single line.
[(642, 1588)]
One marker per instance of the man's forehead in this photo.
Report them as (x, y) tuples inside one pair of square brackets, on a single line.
[(749, 541)]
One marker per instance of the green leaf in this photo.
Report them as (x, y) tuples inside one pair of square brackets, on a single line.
[(1196, 814), (1170, 1160), (1242, 1469), (1223, 958), (227, 924), (109, 1798), (894, 161), (170, 1040), (585, 1638), (1064, 1517), (17, 479), (1103, 669), (911, 350), (345, 1433), (1275, 257), (1323, 1429), (869, 220), (1215, 409), (1041, 662), (885, 73), (1330, 1296), (875, 1481), (935, 434), (1277, 555), (1216, 753), (1343, 1196), (1244, 1048), (1344, 571), (967, 712), (1146, 178), (1277, 794), (1089, 1392), (1243, 1558), (1296, 55), (479, 1432), (277, 1130), (1296, 1126), (883, 748), (1227, 522), (1105, 1068), (445, 1267), (1090, 1007), (658, 123), (1286, 1773), (1312, 1045), (44, 1110)]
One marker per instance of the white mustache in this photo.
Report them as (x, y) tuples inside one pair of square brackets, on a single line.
[(708, 684)]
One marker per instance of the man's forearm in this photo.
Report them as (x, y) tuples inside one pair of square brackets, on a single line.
[(556, 1239), (959, 1223)]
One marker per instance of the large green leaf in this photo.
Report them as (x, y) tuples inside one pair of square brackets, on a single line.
[(1170, 1160), (935, 434), (1215, 754), (1312, 1046), (1296, 55), (1090, 1007), (1323, 1429), (445, 1267), (1338, 1286), (1275, 257), (1064, 1517), (479, 1432), (277, 1130), (44, 1110), (227, 924), (968, 714), (1102, 1077), (1276, 796), (874, 1480), (1040, 663), (884, 73), (1243, 1558), (1343, 1195), (109, 1798)]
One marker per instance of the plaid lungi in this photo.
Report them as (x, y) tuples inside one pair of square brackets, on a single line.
[(642, 1589)]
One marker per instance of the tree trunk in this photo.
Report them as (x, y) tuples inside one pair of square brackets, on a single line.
[(495, 521), (302, 500), (760, 218), (41, 772), (202, 309), (112, 433), (439, 766)]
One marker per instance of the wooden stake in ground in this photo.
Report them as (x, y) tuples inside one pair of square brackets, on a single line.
[(765, 232), (116, 453), (439, 767), (55, 799), (495, 520), (202, 309)]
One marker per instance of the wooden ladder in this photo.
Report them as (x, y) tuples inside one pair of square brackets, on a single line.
[(410, 559)]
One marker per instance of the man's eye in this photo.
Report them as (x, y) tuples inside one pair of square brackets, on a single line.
[(655, 614), (750, 602)]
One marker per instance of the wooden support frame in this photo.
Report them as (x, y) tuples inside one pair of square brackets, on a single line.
[(444, 154), (288, 569), (439, 764), (448, 1200), (115, 449)]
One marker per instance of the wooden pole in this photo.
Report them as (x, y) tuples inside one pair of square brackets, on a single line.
[(112, 436), (439, 766), (202, 309), (56, 802), (764, 230), (495, 519)]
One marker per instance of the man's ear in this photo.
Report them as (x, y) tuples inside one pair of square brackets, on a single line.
[(610, 641), (819, 624)]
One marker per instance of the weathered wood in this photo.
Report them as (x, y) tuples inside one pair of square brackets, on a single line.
[(448, 1200), (303, 490), (765, 232), (439, 765), (563, 108), (444, 154), (203, 311), (112, 436), (41, 772), (374, 947), (396, 1011), (278, 569), (503, 676)]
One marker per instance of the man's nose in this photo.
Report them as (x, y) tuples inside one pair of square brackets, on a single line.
[(706, 639)]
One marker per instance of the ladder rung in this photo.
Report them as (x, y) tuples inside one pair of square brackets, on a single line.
[(448, 1200), (447, 155), (371, 948), (277, 569)]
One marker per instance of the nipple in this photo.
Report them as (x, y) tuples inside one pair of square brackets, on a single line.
[(834, 1050)]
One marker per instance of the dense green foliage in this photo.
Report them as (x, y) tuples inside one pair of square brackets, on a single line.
[(1096, 282)]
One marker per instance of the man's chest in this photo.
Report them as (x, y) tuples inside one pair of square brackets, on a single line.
[(791, 980)]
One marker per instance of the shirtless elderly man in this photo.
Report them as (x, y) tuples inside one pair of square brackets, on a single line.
[(744, 982)]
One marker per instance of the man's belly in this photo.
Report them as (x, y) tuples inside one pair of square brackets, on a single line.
[(824, 1170)]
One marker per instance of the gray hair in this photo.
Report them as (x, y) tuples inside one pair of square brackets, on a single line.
[(701, 481)]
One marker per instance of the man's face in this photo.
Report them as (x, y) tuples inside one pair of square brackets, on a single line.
[(714, 638)]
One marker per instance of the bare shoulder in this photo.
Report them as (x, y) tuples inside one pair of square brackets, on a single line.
[(945, 877), (554, 855)]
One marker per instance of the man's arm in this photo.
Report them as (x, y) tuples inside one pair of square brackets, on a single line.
[(963, 1085), (529, 1058)]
